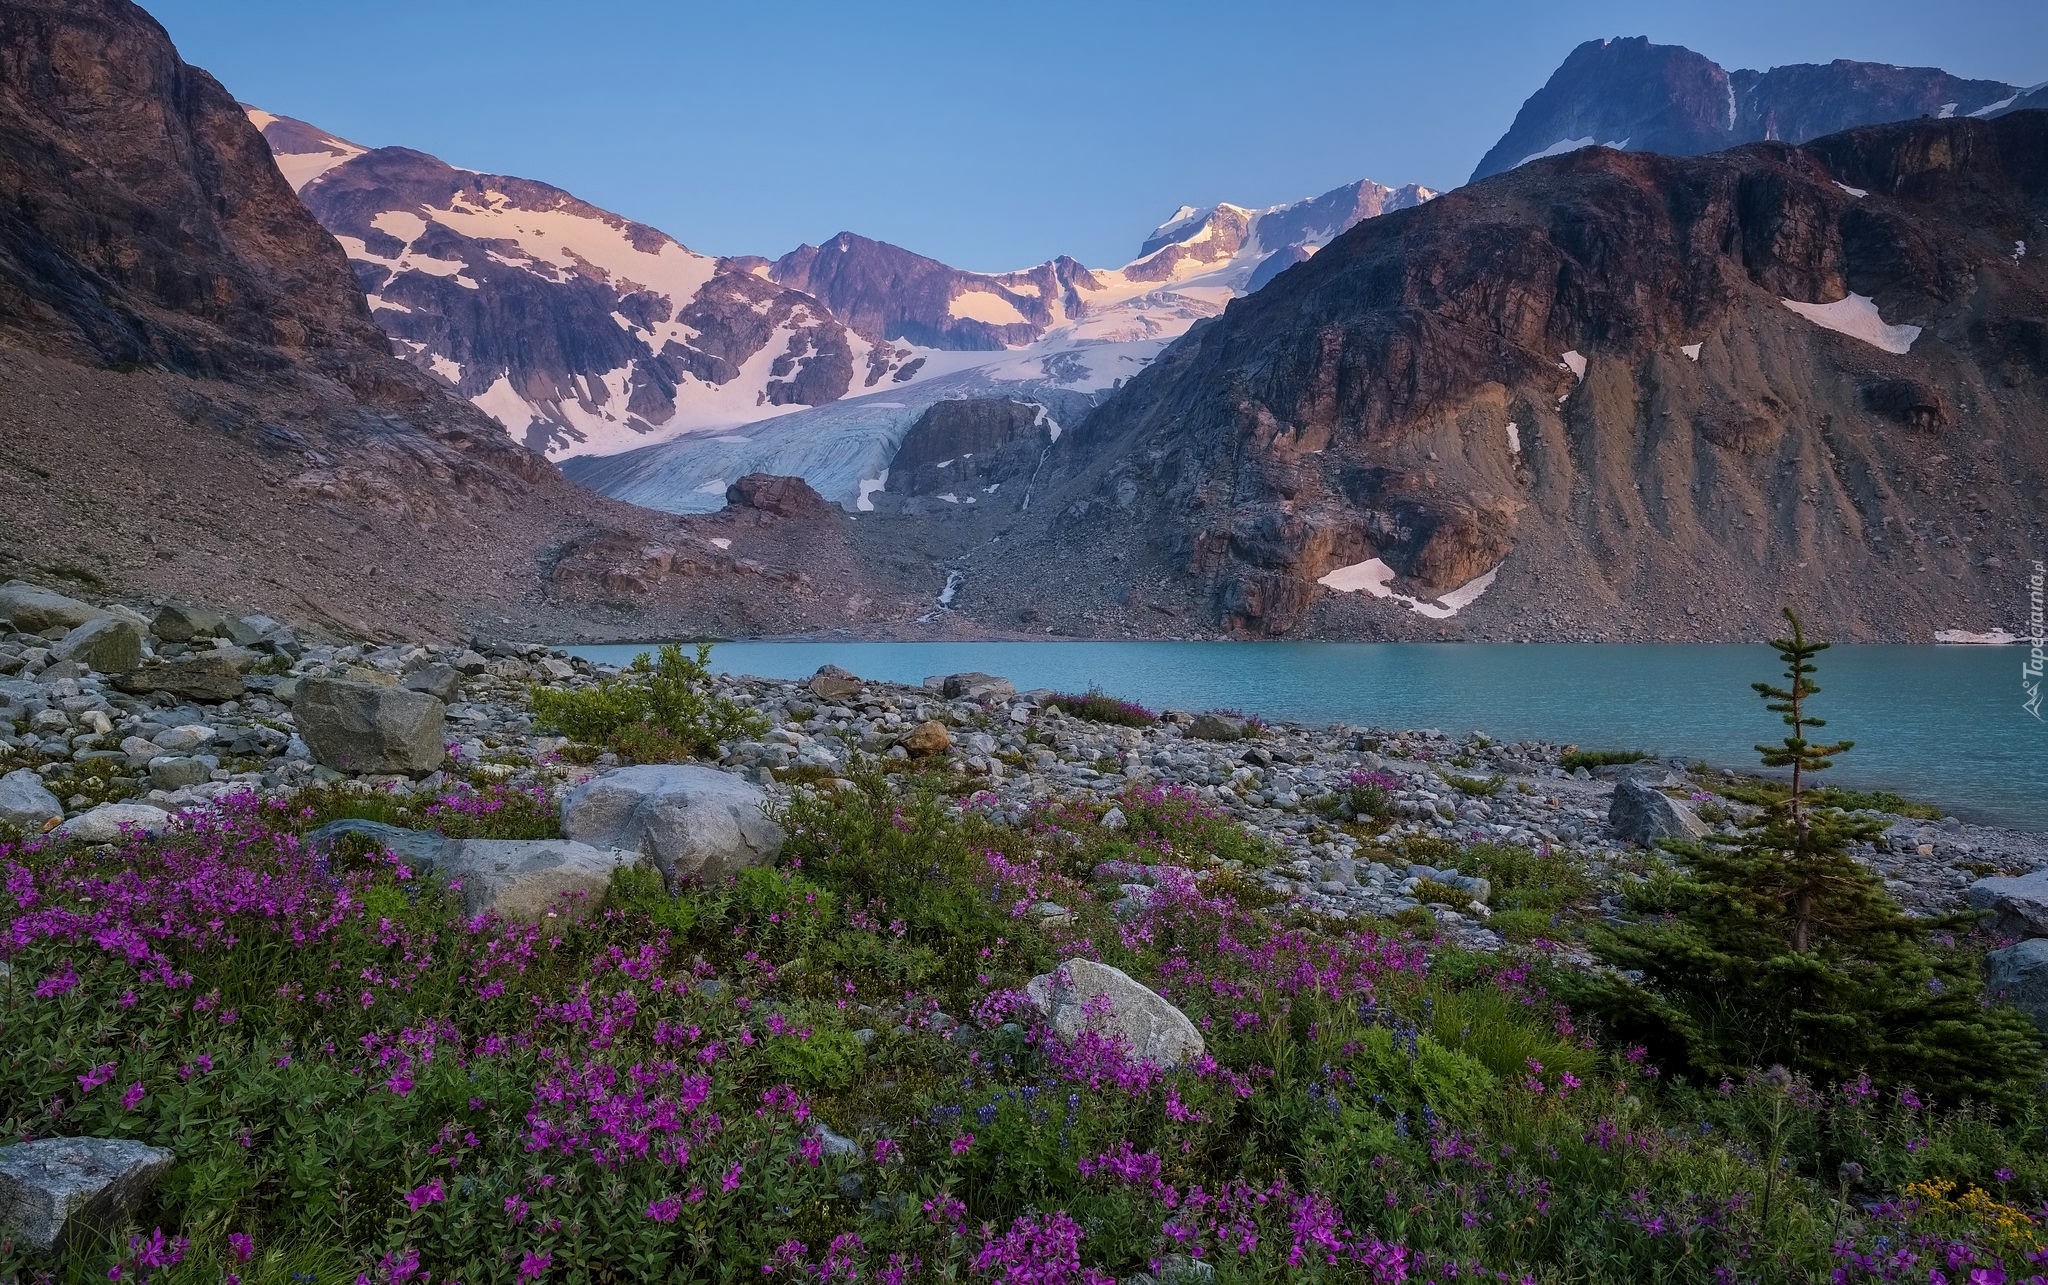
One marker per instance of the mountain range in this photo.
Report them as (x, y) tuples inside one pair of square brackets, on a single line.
[(585, 333), (1606, 393)]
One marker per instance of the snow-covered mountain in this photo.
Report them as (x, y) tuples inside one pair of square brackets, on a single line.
[(1631, 95), (576, 329), (1094, 329), (587, 334)]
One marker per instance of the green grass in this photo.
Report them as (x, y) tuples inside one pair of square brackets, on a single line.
[(1762, 792)]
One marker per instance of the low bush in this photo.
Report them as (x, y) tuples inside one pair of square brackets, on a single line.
[(1573, 760), (490, 810), (1483, 786), (1097, 707), (1362, 794), (661, 710)]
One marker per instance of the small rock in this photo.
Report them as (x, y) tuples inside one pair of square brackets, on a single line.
[(25, 804), (470, 664), (1642, 814), (104, 823), (834, 1144), (58, 1189), (691, 821), (831, 683), (926, 738), (178, 622), (364, 727), (975, 686), (168, 773), (205, 676), (108, 644), (1217, 727), (442, 682), (529, 878), (1082, 995), (190, 736), (1114, 819)]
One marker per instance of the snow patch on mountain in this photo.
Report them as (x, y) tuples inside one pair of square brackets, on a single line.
[(1857, 317)]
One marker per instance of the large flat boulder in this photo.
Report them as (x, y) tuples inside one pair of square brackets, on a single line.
[(109, 821), (2017, 904), (211, 677), (367, 727), (420, 850), (1084, 996), (1641, 813), (976, 686), (2019, 976), (32, 609), (691, 821), (26, 804), (529, 878), (55, 1189), (108, 644)]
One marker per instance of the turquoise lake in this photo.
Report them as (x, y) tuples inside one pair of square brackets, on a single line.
[(1942, 724)]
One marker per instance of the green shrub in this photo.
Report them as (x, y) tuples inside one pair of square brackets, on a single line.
[(491, 810), (1479, 785), (660, 710), (1573, 760), (1529, 925), (1097, 707), (1429, 892), (1546, 881)]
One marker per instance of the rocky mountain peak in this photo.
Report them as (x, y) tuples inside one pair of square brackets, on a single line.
[(1630, 94)]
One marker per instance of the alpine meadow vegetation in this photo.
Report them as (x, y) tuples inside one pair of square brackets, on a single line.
[(828, 1069)]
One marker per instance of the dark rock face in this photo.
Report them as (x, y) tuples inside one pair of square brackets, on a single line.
[(784, 497), (1359, 407), (968, 446), (888, 293), (140, 218), (1666, 98)]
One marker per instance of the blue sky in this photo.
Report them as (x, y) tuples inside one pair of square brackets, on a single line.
[(990, 135)]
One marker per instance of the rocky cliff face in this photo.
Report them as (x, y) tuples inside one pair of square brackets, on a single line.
[(199, 403), (1609, 394), (968, 451), (1632, 95)]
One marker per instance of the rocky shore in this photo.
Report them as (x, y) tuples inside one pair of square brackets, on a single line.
[(114, 714)]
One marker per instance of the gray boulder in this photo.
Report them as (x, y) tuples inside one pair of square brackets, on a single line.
[(691, 821), (1082, 995), (976, 686), (25, 804), (419, 849), (207, 676), (1217, 727), (168, 772), (55, 1189), (105, 823), (1642, 814), (442, 682), (530, 878), (32, 609), (367, 727), (179, 622), (109, 644), (2017, 904), (831, 683), (2019, 976)]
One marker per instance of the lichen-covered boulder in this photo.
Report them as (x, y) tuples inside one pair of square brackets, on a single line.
[(1642, 814), (2019, 976), (108, 644), (529, 878), (1084, 996), (26, 804), (54, 1189), (2017, 904), (367, 727), (691, 821)]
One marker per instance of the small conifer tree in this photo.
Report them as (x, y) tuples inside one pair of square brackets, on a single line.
[(1785, 951)]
